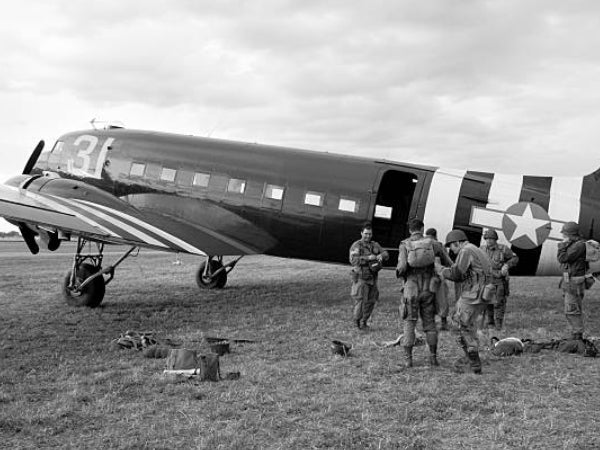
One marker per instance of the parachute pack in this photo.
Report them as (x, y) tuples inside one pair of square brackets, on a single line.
[(420, 253), (592, 251), (592, 256)]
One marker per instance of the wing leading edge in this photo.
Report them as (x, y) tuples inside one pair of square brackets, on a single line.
[(87, 219)]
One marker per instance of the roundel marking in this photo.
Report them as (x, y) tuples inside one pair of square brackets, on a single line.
[(526, 225)]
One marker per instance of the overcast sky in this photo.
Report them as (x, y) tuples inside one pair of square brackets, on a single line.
[(506, 86)]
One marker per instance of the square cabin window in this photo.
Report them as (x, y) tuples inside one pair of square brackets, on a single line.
[(313, 198), (383, 212), (348, 205), (236, 185), (201, 179), (273, 191), (137, 169), (168, 174)]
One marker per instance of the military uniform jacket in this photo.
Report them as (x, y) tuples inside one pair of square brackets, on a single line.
[(468, 271), (571, 256), (359, 259), (499, 255)]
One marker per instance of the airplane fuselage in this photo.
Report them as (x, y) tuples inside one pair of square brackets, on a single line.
[(236, 198)]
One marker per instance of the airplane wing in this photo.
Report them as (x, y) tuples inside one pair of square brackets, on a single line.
[(87, 218)]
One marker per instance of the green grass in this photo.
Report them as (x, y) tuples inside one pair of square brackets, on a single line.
[(62, 385)]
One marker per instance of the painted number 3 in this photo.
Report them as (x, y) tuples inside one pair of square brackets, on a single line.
[(88, 161)]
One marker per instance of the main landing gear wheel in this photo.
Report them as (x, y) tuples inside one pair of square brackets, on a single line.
[(206, 280), (92, 294), (85, 283)]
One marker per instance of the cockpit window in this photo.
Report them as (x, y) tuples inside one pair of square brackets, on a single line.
[(58, 146)]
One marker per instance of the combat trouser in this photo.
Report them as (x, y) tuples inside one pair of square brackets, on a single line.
[(365, 295), (442, 302), (468, 316), (424, 307), (573, 304), (495, 312), (418, 301)]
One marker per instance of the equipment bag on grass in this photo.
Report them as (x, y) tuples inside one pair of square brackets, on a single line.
[(182, 359), (209, 367)]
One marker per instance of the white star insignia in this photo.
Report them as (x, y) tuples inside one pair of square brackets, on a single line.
[(526, 225)]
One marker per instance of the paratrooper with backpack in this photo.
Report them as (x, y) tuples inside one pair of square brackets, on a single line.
[(473, 270), (416, 267)]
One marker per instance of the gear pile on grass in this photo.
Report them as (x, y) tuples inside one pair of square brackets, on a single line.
[(140, 340)]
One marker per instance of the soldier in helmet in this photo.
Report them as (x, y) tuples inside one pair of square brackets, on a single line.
[(468, 270), (571, 256), (503, 259), (416, 267), (366, 258)]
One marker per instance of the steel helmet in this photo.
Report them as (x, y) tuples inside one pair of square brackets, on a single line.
[(570, 228), (456, 235), (490, 234)]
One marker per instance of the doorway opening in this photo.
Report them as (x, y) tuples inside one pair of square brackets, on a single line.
[(392, 210)]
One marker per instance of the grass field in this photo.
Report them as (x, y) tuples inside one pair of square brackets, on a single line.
[(63, 385)]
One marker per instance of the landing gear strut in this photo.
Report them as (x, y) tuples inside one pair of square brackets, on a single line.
[(212, 274), (85, 284)]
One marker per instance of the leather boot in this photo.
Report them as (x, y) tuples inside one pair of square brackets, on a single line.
[(433, 356), (475, 361), (408, 357)]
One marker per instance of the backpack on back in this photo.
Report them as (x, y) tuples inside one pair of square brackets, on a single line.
[(420, 253), (592, 251)]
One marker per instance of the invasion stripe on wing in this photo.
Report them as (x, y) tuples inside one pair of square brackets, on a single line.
[(51, 203), (150, 228), (134, 232)]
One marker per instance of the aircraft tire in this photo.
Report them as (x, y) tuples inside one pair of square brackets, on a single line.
[(215, 283), (92, 294)]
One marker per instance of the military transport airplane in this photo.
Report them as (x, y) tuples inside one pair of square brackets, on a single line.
[(216, 198)]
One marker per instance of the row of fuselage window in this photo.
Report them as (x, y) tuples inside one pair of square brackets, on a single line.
[(238, 186)]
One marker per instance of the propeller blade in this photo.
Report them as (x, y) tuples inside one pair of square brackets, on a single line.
[(33, 158), (29, 238)]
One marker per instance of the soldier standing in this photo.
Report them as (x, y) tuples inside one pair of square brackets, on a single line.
[(442, 300), (503, 259), (571, 255), (469, 269), (366, 258), (416, 266)]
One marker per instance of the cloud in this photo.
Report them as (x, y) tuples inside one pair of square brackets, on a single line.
[(505, 86)]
